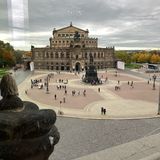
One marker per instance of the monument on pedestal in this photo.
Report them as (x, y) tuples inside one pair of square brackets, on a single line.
[(91, 73), (26, 132)]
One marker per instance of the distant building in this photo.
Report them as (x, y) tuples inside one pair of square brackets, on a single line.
[(69, 50)]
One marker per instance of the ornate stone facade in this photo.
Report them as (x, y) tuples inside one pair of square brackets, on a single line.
[(69, 50)]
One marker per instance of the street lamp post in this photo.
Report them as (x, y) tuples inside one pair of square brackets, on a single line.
[(159, 101), (47, 85), (116, 73), (60, 111), (154, 79)]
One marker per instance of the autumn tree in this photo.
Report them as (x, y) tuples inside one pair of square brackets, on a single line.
[(155, 58), (143, 57), (134, 57), (6, 54), (28, 54), (123, 56)]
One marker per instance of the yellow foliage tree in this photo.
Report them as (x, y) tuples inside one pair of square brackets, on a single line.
[(134, 57), (154, 58), (28, 54), (142, 58)]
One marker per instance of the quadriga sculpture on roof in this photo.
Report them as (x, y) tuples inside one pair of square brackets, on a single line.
[(26, 132)]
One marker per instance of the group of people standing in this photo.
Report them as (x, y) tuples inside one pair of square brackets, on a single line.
[(103, 111), (131, 84)]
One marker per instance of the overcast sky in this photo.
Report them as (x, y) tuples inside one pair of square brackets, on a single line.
[(120, 23)]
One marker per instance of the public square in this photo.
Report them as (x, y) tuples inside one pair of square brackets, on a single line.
[(92, 132), (128, 101)]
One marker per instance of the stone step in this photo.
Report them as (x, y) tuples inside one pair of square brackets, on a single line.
[(155, 156)]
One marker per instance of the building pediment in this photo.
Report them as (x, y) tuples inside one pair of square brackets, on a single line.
[(71, 29)]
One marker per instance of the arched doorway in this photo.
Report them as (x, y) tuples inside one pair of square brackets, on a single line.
[(78, 67), (62, 66)]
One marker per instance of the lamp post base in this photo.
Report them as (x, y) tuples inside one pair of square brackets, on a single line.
[(47, 91)]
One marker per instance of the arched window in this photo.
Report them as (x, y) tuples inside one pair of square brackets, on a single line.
[(98, 55), (68, 66), (85, 55), (101, 54), (67, 55), (47, 55), (56, 55), (51, 55), (62, 55), (76, 56)]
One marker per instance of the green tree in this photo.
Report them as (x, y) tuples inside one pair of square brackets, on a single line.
[(18, 56), (123, 56)]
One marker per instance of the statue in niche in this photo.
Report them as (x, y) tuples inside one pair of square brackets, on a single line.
[(26, 132)]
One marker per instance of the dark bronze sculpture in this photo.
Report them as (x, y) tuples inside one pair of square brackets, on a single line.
[(26, 132), (91, 73), (91, 59)]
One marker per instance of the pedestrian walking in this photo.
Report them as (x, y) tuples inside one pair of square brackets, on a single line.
[(102, 110), (65, 92), (64, 100), (55, 96), (106, 79), (132, 83)]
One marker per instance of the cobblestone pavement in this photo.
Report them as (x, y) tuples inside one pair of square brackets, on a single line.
[(81, 137), (137, 101)]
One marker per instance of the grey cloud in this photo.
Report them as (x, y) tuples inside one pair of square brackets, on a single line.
[(3, 16), (136, 21)]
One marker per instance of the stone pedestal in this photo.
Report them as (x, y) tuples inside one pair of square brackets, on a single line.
[(91, 75), (91, 72), (28, 133)]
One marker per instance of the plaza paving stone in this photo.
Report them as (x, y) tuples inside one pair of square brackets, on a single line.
[(139, 101), (80, 137)]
